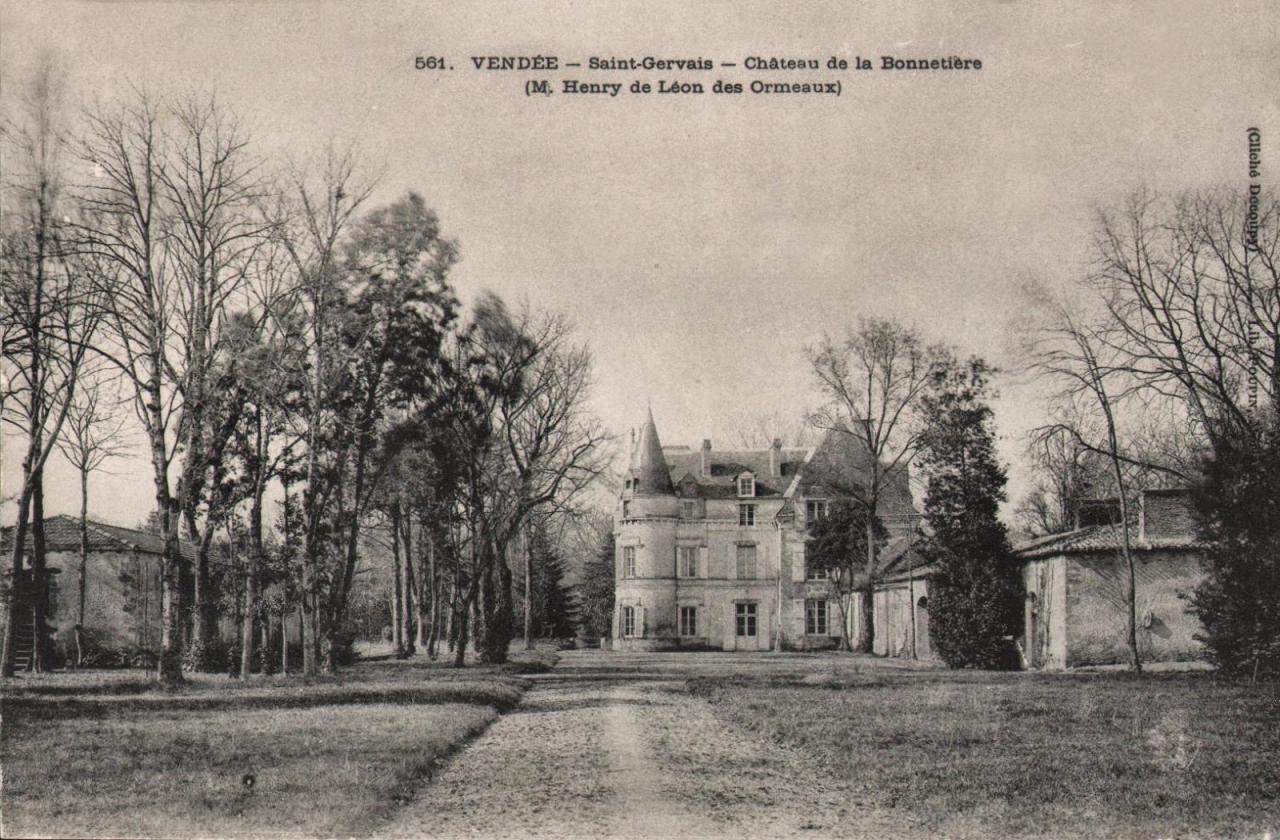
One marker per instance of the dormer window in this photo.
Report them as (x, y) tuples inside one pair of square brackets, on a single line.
[(746, 485)]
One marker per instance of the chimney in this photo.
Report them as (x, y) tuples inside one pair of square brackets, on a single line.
[(775, 458), (1166, 513), (706, 458)]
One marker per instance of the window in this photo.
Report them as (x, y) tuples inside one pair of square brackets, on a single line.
[(629, 561), (746, 619), (746, 562), (746, 514), (747, 486), (815, 617), (689, 508), (688, 560), (626, 509), (816, 574), (628, 622), (815, 509), (688, 621)]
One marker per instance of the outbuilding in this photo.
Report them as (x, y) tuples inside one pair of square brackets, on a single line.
[(1075, 583)]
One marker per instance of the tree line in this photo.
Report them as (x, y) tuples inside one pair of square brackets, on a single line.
[(298, 364)]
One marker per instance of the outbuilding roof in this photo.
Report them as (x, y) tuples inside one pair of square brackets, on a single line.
[(62, 533), (1098, 538)]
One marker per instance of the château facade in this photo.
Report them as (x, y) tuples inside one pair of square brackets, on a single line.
[(711, 544)]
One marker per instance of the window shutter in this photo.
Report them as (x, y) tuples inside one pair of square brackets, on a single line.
[(640, 619), (797, 564), (703, 571), (679, 571)]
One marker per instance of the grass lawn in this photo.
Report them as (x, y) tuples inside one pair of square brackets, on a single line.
[(1030, 755), (106, 755)]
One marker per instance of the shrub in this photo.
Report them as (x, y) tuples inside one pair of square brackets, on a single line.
[(530, 662), (1239, 508)]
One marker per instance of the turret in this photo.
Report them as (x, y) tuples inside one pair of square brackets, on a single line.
[(645, 614), (647, 488), (648, 470)]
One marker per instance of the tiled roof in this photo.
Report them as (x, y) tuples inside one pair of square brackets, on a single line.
[(1097, 538), (62, 533)]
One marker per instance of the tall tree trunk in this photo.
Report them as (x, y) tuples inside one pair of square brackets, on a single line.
[(82, 589), (463, 616), (528, 589), (410, 596), (397, 592), (1131, 581), (17, 612), (40, 576), (169, 667), (202, 630), (451, 627), (866, 640), (284, 640), (428, 540), (255, 560), (308, 604), (496, 605)]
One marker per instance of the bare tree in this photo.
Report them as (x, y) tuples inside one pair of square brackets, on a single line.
[(555, 447), (94, 433), (1066, 471), (47, 321), (758, 431), (1191, 294), (1072, 354), (873, 379), (171, 226)]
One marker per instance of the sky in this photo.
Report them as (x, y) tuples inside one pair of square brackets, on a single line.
[(700, 243)]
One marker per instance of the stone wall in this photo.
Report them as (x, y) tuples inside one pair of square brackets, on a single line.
[(1096, 610), (901, 630), (122, 600)]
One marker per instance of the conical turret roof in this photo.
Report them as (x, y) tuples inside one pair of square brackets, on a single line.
[(648, 464)]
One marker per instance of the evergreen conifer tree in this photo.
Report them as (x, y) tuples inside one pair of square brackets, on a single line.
[(1238, 602), (598, 589), (973, 597), (555, 604)]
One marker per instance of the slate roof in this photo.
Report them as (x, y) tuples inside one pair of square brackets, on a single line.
[(901, 559), (62, 533), (647, 462), (685, 466), (1097, 538)]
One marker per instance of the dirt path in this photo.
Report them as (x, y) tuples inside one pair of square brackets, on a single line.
[(629, 759)]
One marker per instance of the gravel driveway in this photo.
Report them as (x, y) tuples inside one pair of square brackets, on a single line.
[(634, 758)]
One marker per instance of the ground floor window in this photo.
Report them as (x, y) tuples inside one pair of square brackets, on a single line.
[(628, 622), (746, 619), (815, 617), (688, 621)]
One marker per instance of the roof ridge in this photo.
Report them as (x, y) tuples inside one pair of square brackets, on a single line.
[(97, 528)]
